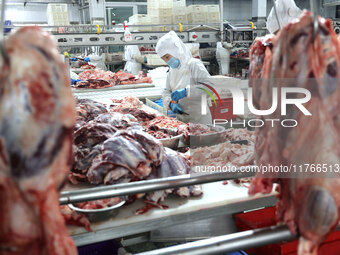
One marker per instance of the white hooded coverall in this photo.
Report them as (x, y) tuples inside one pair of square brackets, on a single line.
[(132, 53), (187, 75), (223, 58), (286, 12)]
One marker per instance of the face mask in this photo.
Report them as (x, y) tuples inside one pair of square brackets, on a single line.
[(173, 62)]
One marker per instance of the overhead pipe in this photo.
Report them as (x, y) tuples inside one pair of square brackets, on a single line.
[(221, 21)]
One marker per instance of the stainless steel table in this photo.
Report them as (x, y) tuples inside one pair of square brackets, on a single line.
[(218, 199)]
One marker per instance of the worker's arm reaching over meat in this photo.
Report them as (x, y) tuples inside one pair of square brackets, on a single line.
[(185, 73)]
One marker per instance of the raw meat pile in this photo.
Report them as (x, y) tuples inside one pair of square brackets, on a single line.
[(122, 78), (94, 125), (131, 150), (159, 134), (73, 218), (111, 148), (36, 124), (126, 102), (223, 154), (99, 204), (310, 206), (173, 164), (88, 109), (239, 134), (95, 79), (131, 105), (139, 114), (165, 122), (96, 74), (194, 129), (88, 66)]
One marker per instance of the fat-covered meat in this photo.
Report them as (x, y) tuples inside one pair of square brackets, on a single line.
[(139, 114), (93, 133), (88, 109), (173, 164), (223, 154), (164, 122), (37, 115), (99, 204), (96, 79), (310, 206), (73, 218), (117, 120), (83, 158), (134, 150)]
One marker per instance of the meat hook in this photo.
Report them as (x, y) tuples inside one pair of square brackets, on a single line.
[(315, 18)]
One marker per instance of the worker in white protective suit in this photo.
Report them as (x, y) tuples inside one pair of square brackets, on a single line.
[(134, 59), (194, 49), (181, 94), (286, 12), (223, 58)]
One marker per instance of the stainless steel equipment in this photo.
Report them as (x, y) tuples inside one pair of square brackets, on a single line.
[(99, 214), (138, 38), (208, 139), (76, 196), (172, 142), (229, 243), (239, 34)]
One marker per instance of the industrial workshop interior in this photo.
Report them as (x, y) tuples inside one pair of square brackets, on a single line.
[(170, 127)]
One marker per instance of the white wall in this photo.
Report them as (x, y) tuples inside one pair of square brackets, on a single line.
[(237, 10), (35, 13)]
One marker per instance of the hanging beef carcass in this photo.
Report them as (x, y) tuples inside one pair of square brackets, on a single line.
[(37, 116), (310, 206)]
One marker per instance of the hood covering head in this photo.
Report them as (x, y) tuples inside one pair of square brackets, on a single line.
[(171, 44), (286, 12)]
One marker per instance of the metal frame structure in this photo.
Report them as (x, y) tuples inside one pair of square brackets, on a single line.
[(150, 224), (230, 243), (114, 38), (148, 186)]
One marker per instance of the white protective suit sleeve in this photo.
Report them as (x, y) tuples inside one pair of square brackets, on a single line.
[(166, 94), (139, 58), (198, 74), (286, 11)]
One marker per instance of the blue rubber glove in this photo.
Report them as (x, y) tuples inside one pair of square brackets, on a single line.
[(74, 59), (73, 81), (179, 94), (87, 59), (176, 108)]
